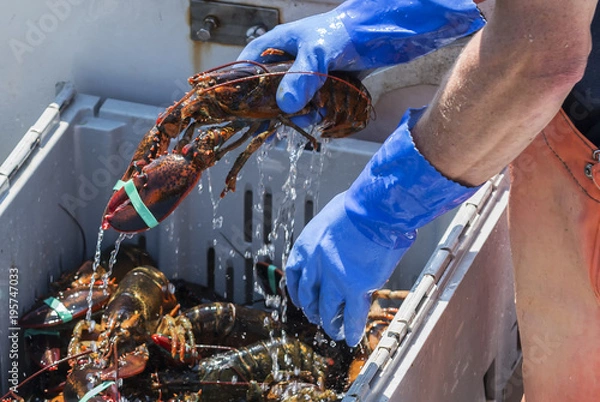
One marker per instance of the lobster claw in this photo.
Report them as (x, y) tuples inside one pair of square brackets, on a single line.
[(151, 195), (66, 306)]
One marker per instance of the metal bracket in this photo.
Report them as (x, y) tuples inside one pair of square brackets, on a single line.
[(230, 24)]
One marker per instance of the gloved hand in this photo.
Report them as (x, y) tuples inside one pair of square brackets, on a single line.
[(352, 246), (359, 35)]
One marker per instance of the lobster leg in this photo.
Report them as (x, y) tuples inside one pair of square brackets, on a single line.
[(251, 131), (186, 138), (288, 122), (179, 329), (256, 143), (242, 158)]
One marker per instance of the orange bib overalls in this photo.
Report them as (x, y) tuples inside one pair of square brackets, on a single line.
[(554, 215)]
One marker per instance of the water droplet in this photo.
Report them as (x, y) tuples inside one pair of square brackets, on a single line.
[(218, 222)]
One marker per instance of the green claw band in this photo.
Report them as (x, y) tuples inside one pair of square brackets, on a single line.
[(96, 390), (271, 273), (62, 311), (137, 202), (118, 185), (29, 332)]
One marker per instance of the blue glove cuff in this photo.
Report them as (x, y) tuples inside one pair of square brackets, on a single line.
[(387, 32), (399, 191)]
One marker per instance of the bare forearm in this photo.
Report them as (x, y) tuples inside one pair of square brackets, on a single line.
[(505, 87)]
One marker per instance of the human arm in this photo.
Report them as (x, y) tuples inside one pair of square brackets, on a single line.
[(507, 84)]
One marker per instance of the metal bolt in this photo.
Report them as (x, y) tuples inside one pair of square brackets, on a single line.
[(254, 32), (210, 23)]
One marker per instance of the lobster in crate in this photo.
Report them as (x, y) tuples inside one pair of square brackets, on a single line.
[(145, 348), (226, 107)]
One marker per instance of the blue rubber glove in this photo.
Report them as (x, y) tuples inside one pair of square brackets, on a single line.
[(359, 35), (353, 245)]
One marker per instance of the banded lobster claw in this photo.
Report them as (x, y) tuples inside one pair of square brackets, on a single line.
[(149, 196)]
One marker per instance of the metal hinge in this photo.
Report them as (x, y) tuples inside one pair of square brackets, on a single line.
[(416, 306), (36, 135)]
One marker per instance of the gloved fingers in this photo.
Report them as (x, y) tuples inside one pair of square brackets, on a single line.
[(292, 277), (302, 80), (301, 285), (272, 39), (311, 118), (355, 318), (309, 289), (332, 307)]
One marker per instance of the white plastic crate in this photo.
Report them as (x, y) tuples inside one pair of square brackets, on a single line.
[(81, 145)]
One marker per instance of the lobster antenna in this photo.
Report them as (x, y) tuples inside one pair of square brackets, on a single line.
[(233, 63)]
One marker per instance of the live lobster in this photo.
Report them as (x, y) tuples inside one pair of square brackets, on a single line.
[(137, 309), (229, 376), (265, 359), (237, 99)]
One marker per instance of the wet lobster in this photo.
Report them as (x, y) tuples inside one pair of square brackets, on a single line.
[(235, 375), (379, 319), (139, 308), (265, 360), (237, 100), (70, 297)]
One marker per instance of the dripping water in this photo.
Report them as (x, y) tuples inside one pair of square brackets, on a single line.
[(215, 199), (312, 182), (95, 265), (285, 216), (113, 259)]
